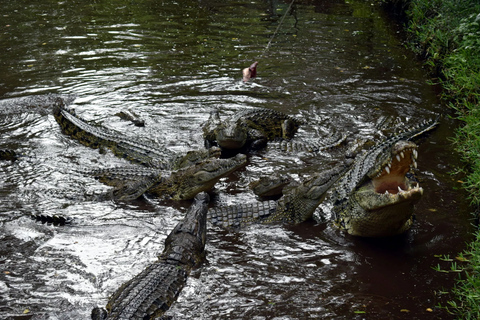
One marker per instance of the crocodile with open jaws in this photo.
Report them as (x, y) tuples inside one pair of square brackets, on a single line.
[(252, 127), (165, 173), (150, 293), (373, 196)]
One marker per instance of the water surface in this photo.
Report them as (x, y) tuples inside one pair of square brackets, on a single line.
[(336, 64)]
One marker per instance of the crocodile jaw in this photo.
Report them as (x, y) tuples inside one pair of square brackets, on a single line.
[(207, 174), (383, 205), (380, 215)]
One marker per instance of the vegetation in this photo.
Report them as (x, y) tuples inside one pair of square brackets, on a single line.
[(446, 34)]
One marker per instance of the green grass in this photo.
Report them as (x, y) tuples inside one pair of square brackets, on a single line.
[(446, 35), (467, 292)]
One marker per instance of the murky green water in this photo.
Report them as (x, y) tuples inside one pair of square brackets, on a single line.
[(172, 62)]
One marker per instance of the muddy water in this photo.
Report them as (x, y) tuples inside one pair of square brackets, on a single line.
[(336, 64)]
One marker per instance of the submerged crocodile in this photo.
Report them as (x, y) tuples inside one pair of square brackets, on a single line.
[(372, 197), (166, 174), (149, 294), (138, 152), (8, 155), (129, 183), (253, 127)]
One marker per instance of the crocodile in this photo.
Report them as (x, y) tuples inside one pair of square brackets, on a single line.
[(130, 182), (269, 186), (138, 152), (132, 117), (252, 128), (8, 155), (166, 174), (150, 293), (371, 196), (376, 197), (297, 204)]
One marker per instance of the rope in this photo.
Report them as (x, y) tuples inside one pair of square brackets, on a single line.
[(251, 72), (276, 30)]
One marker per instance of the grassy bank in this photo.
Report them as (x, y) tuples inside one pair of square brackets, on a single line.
[(446, 34)]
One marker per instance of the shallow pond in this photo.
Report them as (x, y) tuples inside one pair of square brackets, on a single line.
[(337, 64)]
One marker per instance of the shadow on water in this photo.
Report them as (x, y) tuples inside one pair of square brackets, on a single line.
[(336, 64)]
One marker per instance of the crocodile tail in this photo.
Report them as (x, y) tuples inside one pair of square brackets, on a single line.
[(8, 155), (51, 219), (243, 214), (323, 144)]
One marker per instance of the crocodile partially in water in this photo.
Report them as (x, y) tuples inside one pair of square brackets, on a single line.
[(136, 151), (149, 294), (8, 155), (252, 127), (165, 173), (374, 196), (129, 182)]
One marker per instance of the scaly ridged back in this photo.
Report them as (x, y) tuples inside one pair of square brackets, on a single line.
[(152, 292), (96, 137)]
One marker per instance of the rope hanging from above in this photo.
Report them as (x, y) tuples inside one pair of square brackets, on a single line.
[(251, 72)]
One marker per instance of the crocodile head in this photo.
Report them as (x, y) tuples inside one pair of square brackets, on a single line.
[(185, 244), (187, 182), (197, 156), (381, 203), (231, 135)]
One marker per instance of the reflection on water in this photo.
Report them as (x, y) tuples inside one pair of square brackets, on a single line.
[(335, 64)]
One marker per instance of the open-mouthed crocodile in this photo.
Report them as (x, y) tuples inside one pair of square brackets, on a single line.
[(129, 183), (252, 127), (375, 197), (149, 294), (144, 153)]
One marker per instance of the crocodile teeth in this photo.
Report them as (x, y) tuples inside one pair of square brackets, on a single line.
[(415, 164), (387, 169), (400, 189), (417, 186), (386, 192), (402, 154), (415, 153), (398, 158)]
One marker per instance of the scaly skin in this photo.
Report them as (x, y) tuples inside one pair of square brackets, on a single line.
[(138, 152), (269, 186), (149, 294), (376, 197), (8, 155), (254, 127), (373, 197), (129, 182), (187, 182), (296, 205)]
